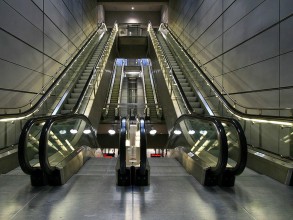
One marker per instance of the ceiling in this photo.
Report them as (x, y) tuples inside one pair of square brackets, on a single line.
[(138, 5)]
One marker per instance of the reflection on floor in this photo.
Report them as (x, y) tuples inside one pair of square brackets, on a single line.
[(172, 195)]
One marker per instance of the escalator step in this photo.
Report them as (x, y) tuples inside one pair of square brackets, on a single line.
[(74, 95), (195, 104), (77, 90), (72, 100), (65, 112), (68, 106), (78, 85), (198, 110)]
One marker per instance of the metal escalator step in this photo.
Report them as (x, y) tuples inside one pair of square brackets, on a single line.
[(72, 100), (198, 110), (180, 76), (81, 81), (68, 106), (74, 95), (185, 84), (78, 85), (189, 93), (192, 99), (186, 89), (84, 77), (195, 104), (65, 112), (182, 80), (77, 90)]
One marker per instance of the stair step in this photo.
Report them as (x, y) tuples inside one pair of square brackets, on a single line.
[(72, 100)]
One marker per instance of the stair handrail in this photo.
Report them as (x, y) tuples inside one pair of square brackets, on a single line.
[(282, 120), (34, 108)]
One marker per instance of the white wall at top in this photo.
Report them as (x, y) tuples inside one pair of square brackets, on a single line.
[(132, 17), (101, 13), (36, 38)]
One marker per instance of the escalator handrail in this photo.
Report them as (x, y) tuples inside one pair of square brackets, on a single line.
[(143, 146), (22, 145), (122, 146), (242, 157), (85, 88), (43, 143), (223, 99), (223, 153), (37, 105)]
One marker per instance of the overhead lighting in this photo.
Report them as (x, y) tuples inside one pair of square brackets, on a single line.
[(111, 131), (177, 132), (87, 131), (191, 132), (153, 132), (73, 131), (203, 132), (132, 8), (62, 132)]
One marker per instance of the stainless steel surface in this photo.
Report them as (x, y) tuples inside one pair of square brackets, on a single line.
[(172, 194)]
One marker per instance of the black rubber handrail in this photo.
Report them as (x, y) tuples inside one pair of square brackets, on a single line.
[(143, 145), (223, 145), (22, 145), (222, 98), (50, 89), (242, 157), (43, 143), (122, 146)]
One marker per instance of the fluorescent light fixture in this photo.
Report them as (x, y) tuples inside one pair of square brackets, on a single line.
[(62, 132), (177, 132), (191, 132), (111, 131), (87, 131), (73, 131), (153, 132)]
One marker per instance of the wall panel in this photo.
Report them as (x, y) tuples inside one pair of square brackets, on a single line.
[(36, 39)]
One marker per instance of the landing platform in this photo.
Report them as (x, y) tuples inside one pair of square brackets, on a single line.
[(173, 194)]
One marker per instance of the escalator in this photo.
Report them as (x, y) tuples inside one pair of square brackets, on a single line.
[(179, 73), (236, 141), (30, 138), (212, 149), (112, 110), (65, 142), (149, 91), (91, 62)]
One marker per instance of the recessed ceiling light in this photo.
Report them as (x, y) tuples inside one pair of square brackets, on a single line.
[(132, 8), (111, 131)]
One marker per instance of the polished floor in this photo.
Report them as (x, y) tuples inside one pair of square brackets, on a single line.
[(172, 195)]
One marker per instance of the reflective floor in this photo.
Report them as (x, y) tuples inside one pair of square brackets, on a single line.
[(172, 194)]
